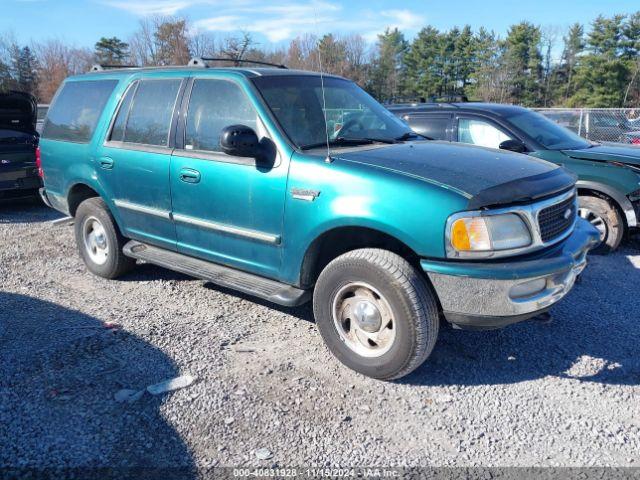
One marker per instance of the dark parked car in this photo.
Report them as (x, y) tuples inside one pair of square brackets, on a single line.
[(608, 175), (19, 153)]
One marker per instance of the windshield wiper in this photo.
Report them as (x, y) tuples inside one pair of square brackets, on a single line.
[(368, 139), (348, 141), (410, 135)]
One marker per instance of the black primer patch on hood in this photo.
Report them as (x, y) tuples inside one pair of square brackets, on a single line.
[(524, 190), (488, 177)]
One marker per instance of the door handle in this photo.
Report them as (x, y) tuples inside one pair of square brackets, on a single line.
[(189, 175), (106, 163)]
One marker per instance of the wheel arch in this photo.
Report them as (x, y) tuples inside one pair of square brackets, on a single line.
[(78, 193), (339, 240), (619, 200)]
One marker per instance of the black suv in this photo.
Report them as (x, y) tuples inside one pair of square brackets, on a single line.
[(19, 153), (608, 175)]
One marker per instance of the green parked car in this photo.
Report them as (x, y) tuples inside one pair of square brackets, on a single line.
[(231, 175), (608, 174)]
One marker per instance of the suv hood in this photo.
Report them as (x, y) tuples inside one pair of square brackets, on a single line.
[(607, 153), (486, 176), (18, 111)]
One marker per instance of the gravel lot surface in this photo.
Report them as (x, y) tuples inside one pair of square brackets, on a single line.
[(267, 392)]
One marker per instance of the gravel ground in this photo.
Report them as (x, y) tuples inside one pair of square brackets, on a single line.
[(559, 394)]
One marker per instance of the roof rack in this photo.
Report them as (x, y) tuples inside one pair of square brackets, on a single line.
[(101, 67), (202, 62)]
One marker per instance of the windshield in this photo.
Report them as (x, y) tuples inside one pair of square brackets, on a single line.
[(547, 133), (353, 117)]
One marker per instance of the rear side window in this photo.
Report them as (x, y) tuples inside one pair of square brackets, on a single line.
[(149, 119), (432, 126), (214, 105), (117, 133), (75, 112)]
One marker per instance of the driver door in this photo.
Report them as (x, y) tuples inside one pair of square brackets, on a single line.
[(226, 209)]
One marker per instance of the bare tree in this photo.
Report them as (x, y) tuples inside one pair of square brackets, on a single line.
[(171, 41), (202, 45), (142, 46), (235, 48), (56, 62), (356, 58), (549, 39)]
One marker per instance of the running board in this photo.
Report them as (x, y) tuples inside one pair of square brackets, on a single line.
[(227, 277)]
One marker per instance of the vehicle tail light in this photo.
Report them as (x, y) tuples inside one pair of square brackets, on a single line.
[(39, 163)]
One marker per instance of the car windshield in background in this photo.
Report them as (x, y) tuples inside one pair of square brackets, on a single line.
[(547, 133), (352, 116)]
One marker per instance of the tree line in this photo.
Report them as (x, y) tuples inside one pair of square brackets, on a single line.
[(593, 66)]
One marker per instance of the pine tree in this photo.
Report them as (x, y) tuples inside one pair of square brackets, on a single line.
[(112, 51), (24, 69), (387, 73), (603, 74), (524, 60), (423, 64), (6, 81), (574, 45)]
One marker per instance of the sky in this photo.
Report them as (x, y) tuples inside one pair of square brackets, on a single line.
[(82, 22)]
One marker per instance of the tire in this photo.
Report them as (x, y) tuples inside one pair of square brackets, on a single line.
[(103, 254), (345, 290), (603, 215)]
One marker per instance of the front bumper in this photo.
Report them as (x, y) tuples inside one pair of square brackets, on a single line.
[(495, 294)]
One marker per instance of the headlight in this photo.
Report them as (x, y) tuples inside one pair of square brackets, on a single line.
[(475, 235)]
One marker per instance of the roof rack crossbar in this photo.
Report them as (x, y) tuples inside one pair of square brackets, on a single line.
[(100, 67), (201, 62)]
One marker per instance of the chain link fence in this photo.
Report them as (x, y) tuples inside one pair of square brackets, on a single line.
[(620, 125)]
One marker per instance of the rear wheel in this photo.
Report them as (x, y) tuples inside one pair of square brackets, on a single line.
[(99, 240), (606, 218), (376, 313)]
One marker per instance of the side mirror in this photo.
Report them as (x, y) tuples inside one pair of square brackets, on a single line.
[(513, 146), (240, 141)]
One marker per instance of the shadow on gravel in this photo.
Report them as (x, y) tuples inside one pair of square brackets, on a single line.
[(302, 312), (147, 272), (26, 210), (59, 370), (593, 337)]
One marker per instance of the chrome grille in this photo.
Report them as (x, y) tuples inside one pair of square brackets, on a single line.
[(557, 219)]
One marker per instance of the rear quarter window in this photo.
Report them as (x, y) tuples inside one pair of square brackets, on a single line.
[(74, 114), (432, 126)]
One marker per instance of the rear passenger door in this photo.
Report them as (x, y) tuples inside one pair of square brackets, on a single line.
[(134, 160), (433, 125), (226, 209)]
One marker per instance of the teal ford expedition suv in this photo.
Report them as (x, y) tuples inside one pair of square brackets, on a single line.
[(232, 175)]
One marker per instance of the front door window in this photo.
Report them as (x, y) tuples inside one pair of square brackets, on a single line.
[(481, 133)]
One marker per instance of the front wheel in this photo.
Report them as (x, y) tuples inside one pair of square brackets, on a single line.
[(376, 313), (606, 218)]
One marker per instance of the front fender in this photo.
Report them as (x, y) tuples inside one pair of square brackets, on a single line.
[(408, 209)]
